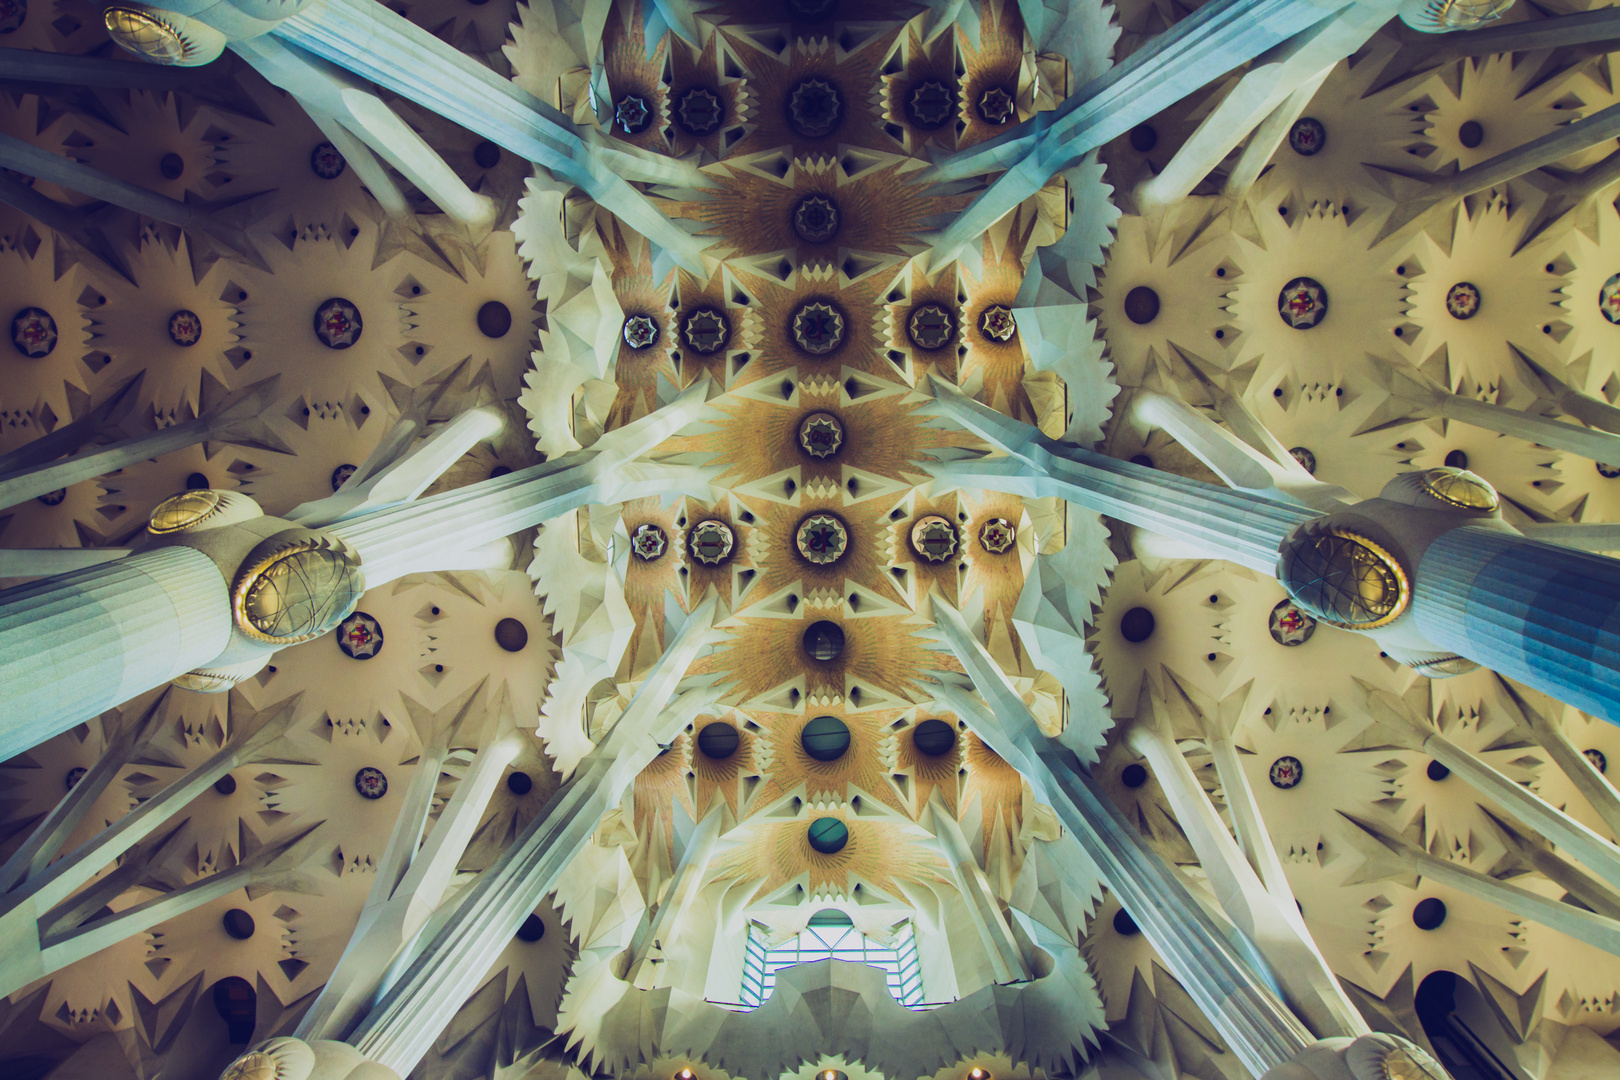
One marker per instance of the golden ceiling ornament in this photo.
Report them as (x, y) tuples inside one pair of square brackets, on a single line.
[(934, 538), (184, 511), (1438, 16), (1461, 488), (1344, 579), (1399, 1064), (252, 1066), (293, 587), (148, 35)]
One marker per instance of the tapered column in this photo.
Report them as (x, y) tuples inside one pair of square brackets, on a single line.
[(1225, 983), (1223, 523), (453, 961), (1545, 615), (1213, 40), (373, 42), (1593, 785), (651, 947), (1007, 962), (238, 418), (78, 644), (1305, 60)]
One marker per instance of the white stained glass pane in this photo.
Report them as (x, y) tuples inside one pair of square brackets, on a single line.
[(899, 963)]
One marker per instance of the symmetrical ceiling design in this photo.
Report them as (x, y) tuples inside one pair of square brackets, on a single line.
[(1330, 299)]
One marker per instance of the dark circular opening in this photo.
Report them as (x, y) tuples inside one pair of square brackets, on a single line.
[(1438, 771), (238, 924), (1136, 625), (824, 640), (1142, 460), (1471, 133), (825, 738), (487, 155), (532, 930), (1457, 459), (828, 835), (1133, 776), (226, 785), (718, 740), (499, 470), (196, 482), (494, 319), (934, 737), (1141, 305), (1429, 913), (171, 166), (519, 783), (1124, 925), (1144, 138), (511, 635), (238, 1005)]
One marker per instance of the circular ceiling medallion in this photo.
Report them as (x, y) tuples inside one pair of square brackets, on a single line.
[(821, 435), (934, 738), (822, 539), (631, 114), (1462, 300), (33, 332), (1461, 488), (1344, 579), (1608, 472), (818, 328), (294, 591), (1286, 772), (145, 35), (641, 332), (494, 319), (1141, 305), (185, 328), (649, 542), (1303, 303), (710, 542), (54, 498), (182, 511), (814, 108), (1306, 459), (997, 323), (325, 161), (486, 155), (1144, 137), (934, 538), (825, 738), (1289, 625), (341, 474), (1429, 913), (816, 219), (1400, 1064), (12, 14), (511, 635), (996, 106), (1471, 133), (931, 104), (337, 323), (718, 741), (1609, 299), (828, 835), (1598, 760), (699, 111), (706, 330), (998, 535), (519, 782), (930, 327), (371, 783), (238, 924), (1136, 625), (1307, 136), (360, 636), (824, 641), (75, 774), (171, 166), (1133, 775)]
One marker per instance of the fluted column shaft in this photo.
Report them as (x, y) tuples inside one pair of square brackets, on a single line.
[(80, 643), (1545, 615)]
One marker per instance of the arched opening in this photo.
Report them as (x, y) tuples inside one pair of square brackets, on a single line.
[(1466, 1036)]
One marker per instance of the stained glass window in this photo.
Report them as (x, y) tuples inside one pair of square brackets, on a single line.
[(831, 936)]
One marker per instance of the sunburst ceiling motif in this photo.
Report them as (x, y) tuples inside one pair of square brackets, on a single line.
[(796, 142)]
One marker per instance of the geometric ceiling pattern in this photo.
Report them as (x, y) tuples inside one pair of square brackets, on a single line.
[(1337, 296)]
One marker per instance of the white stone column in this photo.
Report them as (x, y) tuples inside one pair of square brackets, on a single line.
[(1007, 963), (452, 961), (654, 939), (1271, 921), (78, 644)]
